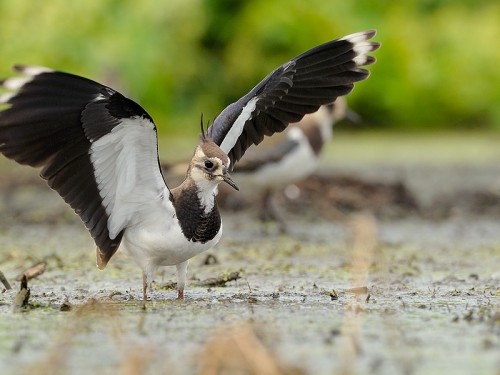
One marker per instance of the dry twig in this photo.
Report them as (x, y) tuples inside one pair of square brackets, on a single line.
[(34, 271), (222, 280), (4, 281)]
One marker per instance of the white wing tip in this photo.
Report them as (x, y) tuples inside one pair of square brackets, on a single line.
[(361, 36), (15, 83), (4, 98), (362, 46), (31, 70)]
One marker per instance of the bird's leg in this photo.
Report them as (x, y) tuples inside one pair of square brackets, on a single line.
[(270, 213), (265, 206), (181, 278), (144, 286)]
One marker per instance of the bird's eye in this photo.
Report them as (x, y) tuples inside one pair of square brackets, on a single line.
[(209, 165)]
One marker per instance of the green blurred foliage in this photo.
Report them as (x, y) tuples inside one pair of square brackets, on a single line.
[(438, 66)]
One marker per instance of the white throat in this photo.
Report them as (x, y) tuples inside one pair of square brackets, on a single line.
[(206, 191)]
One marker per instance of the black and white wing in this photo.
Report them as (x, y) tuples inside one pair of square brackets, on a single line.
[(298, 87), (97, 148)]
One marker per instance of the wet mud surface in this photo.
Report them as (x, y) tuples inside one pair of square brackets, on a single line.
[(383, 270)]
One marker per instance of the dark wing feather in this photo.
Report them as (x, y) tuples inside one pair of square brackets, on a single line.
[(300, 86), (55, 120)]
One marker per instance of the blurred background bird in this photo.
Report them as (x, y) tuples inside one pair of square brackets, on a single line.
[(281, 161)]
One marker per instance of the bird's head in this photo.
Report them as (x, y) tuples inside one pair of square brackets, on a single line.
[(210, 165)]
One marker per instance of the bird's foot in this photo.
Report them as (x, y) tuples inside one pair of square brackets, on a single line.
[(144, 287), (180, 294)]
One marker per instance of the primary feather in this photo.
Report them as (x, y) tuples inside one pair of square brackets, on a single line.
[(298, 87), (99, 149)]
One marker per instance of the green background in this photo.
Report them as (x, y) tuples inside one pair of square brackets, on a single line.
[(438, 67)]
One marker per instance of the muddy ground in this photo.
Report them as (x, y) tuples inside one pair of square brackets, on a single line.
[(390, 265)]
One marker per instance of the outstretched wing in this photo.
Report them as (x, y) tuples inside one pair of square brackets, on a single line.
[(298, 87), (97, 148)]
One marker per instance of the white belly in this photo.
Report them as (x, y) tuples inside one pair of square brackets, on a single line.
[(154, 243)]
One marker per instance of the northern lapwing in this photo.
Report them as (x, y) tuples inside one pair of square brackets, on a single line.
[(290, 157), (99, 150)]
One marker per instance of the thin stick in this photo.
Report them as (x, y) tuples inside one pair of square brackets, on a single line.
[(4, 281)]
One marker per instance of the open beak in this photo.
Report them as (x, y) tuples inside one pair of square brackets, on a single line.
[(230, 181)]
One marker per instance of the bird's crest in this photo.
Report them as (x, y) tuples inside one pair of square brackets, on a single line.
[(203, 133)]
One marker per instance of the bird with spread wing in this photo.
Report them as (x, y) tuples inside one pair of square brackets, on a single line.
[(99, 150)]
